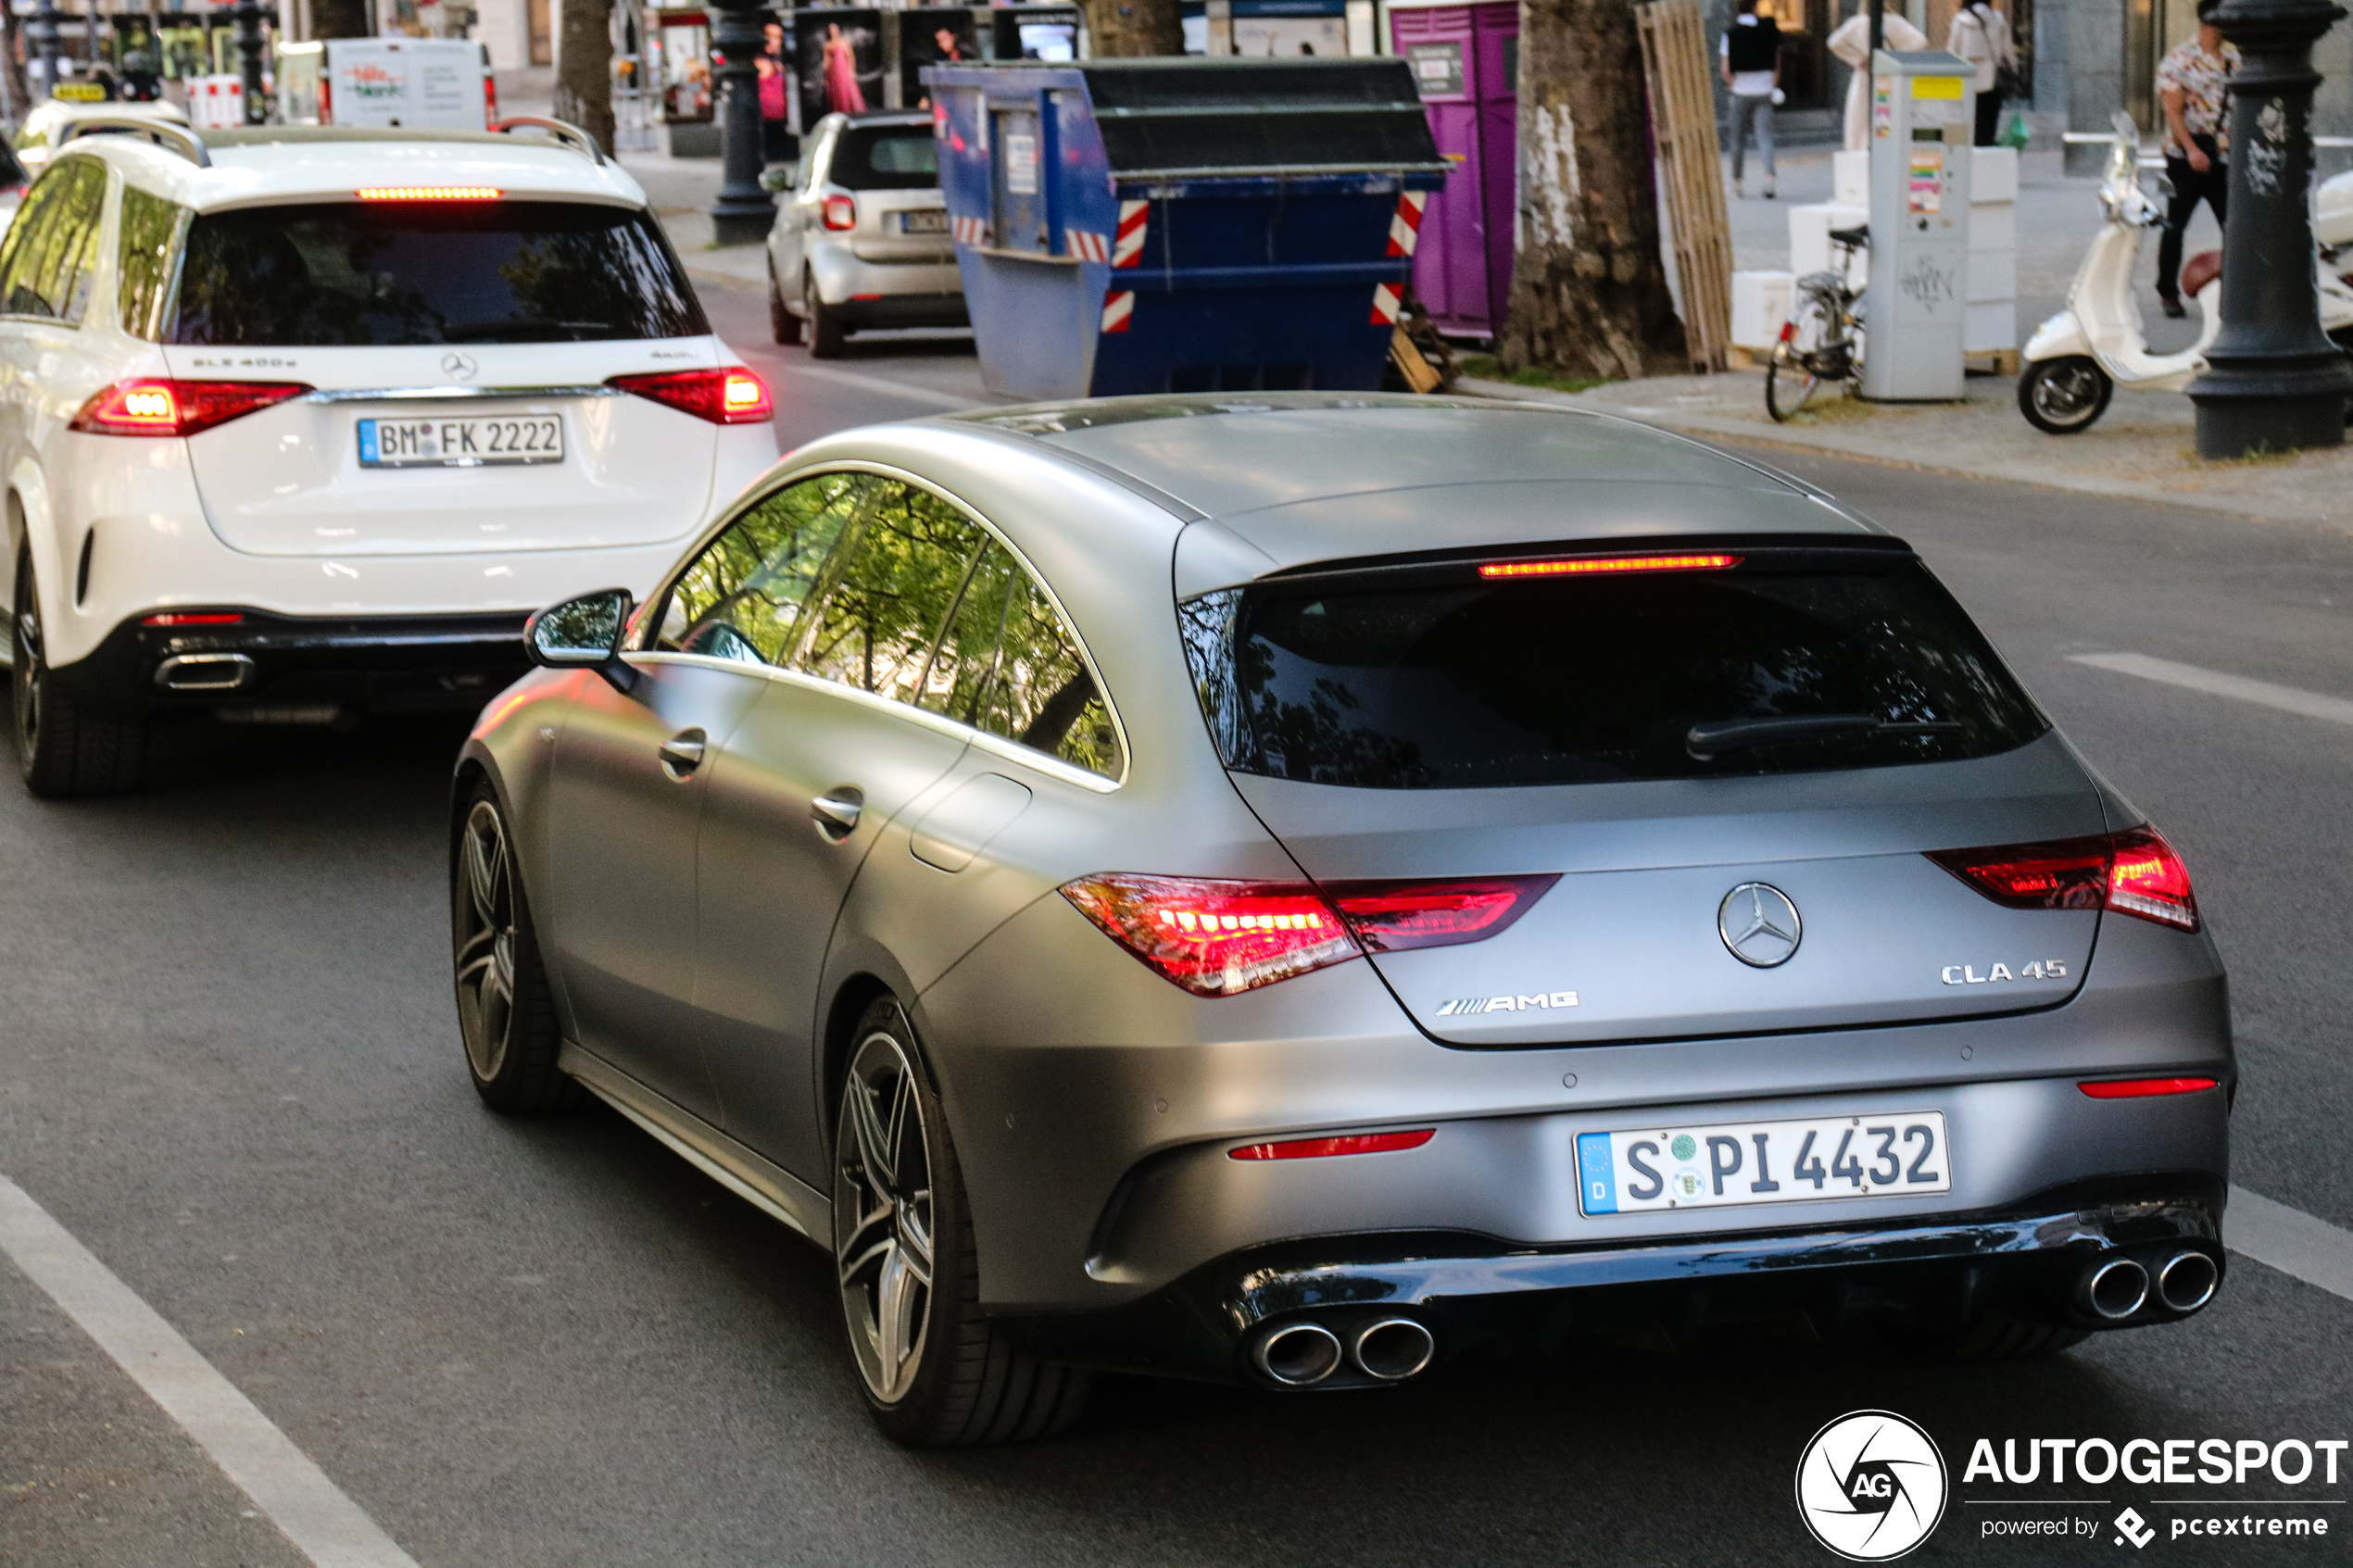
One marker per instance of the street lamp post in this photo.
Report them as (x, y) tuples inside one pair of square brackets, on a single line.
[(43, 31), (2273, 381), (248, 15), (743, 211)]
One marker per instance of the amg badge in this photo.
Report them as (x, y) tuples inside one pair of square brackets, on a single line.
[(1461, 1005)]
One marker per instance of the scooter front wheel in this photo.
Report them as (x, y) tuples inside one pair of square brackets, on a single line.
[(2062, 396)]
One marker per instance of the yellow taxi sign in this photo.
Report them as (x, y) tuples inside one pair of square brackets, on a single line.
[(1936, 87), (79, 93)]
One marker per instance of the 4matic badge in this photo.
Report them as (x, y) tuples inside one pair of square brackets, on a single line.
[(1462, 1005)]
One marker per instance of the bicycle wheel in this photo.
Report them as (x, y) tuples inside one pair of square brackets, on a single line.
[(1792, 373)]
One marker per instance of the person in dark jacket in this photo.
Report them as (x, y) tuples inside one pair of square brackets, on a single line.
[(1751, 59)]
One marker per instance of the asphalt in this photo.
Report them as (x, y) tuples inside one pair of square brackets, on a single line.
[(229, 1066)]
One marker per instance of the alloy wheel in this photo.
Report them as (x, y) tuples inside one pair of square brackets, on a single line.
[(25, 656), (487, 945), (883, 1217)]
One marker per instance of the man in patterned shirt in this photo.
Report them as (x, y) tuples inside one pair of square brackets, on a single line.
[(2192, 82)]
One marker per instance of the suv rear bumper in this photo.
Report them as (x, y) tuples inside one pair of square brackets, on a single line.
[(283, 667), (2031, 1261)]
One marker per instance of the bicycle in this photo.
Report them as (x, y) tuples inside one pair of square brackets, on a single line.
[(1822, 341)]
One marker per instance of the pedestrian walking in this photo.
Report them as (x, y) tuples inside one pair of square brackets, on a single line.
[(2192, 82), (1850, 42), (1981, 34), (1751, 56)]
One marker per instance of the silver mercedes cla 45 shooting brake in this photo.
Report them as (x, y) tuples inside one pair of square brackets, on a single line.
[(1289, 889)]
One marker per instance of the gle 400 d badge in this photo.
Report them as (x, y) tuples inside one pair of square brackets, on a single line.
[(1870, 1485)]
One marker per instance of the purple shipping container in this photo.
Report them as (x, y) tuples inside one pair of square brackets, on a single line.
[(1466, 60)]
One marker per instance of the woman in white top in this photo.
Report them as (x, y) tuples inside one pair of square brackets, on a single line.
[(1851, 42), (1981, 36)]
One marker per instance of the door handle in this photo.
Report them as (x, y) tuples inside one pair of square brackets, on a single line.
[(682, 754), (837, 812)]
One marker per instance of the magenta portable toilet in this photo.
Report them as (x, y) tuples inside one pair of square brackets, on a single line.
[(1466, 60)]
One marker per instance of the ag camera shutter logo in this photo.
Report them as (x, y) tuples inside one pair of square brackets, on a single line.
[(1871, 1485)]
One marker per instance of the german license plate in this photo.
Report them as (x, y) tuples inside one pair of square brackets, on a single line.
[(922, 223), (474, 441), (1716, 1167)]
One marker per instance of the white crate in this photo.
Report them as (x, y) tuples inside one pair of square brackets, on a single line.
[(1992, 274), (1809, 235), (1991, 325), (1851, 177), (1761, 303), (1993, 226), (1993, 175)]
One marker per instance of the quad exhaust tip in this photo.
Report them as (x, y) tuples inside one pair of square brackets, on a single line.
[(1392, 1349), (1299, 1354), (2117, 1288), (2187, 1281)]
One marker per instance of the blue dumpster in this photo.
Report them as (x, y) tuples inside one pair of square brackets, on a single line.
[(1183, 225)]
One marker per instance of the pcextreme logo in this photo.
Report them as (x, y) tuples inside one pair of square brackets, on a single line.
[(1871, 1485)]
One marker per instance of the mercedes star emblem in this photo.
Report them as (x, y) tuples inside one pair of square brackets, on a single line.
[(1758, 924), (459, 366)]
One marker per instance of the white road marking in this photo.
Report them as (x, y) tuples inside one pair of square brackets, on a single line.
[(2289, 699), (885, 386), (324, 1524), (2291, 1241)]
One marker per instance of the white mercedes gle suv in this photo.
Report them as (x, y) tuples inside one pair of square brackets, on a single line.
[(299, 423)]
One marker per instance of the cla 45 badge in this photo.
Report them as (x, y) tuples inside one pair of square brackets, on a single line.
[(1966, 974)]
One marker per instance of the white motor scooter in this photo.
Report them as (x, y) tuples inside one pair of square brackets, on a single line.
[(2078, 358)]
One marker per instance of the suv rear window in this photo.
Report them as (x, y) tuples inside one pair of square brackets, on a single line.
[(1438, 678), (354, 274), (886, 157)]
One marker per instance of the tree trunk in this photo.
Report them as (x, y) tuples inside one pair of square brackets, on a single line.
[(342, 19), (12, 39), (583, 68), (1134, 27), (1589, 291)]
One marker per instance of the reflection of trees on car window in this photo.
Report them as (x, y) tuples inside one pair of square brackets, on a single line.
[(743, 595)]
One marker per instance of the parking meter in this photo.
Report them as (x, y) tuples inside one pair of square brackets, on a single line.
[(1924, 113)]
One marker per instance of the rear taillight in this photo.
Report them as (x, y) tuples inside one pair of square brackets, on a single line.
[(841, 213), (1324, 1149), (1388, 917), (2144, 1088), (2133, 872), (730, 396), (159, 406), (1218, 938), (194, 618), (489, 101)]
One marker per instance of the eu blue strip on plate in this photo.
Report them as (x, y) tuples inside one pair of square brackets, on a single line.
[(1597, 1173), (368, 452)]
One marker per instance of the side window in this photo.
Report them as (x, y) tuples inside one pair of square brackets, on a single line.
[(900, 571), (28, 242), (1043, 695), (151, 228), (743, 595), (52, 267)]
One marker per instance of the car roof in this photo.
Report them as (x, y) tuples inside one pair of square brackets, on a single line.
[(1315, 477), (274, 164)]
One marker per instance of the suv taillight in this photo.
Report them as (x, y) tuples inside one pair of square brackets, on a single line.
[(2133, 873), (729, 396), (160, 405), (841, 213), (1218, 938)]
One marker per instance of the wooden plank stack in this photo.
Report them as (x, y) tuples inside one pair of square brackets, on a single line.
[(1677, 65)]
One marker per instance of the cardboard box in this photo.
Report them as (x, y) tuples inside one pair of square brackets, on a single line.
[(1993, 226), (1809, 242), (1992, 274), (1761, 302)]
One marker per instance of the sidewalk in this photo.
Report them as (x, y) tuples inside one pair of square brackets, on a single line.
[(2143, 446)]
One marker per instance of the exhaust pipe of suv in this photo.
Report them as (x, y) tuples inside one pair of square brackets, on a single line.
[(2115, 1289), (204, 673), (1298, 1354), (1393, 1348), (2187, 1281)]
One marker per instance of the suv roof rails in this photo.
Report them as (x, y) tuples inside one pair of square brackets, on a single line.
[(571, 135), (164, 133)]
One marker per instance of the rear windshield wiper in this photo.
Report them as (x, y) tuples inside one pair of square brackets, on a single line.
[(1705, 742)]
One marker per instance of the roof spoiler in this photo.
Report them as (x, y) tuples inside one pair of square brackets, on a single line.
[(171, 138)]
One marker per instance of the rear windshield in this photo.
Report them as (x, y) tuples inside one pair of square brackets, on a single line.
[(354, 274), (886, 157), (1440, 678)]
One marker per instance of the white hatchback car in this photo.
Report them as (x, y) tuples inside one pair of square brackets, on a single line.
[(299, 424), (863, 240)]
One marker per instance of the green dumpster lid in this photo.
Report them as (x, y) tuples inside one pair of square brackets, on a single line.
[(1171, 119)]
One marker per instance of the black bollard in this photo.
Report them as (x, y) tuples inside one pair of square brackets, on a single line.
[(41, 30), (248, 15), (2273, 382), (743, 211)]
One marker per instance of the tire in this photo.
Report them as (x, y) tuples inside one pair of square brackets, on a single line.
[(936, 1373), (783, 325), (1991, 1336), (1788, 382), (1787, 386), (65, 749), (505, 1011), (825, 329), (2065, 395)]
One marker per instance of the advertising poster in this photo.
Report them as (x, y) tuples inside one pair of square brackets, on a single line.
[(838, 56), (932, 37)]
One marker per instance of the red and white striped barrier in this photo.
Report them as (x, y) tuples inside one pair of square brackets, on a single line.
[(1127, 250), (1406, 228), (970, 231), (1119, 308), (1088, 246), (1388, 300)]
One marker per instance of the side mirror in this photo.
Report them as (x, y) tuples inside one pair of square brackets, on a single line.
[(583, 633)]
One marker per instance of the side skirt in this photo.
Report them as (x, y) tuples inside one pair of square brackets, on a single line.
[(766, 1186)]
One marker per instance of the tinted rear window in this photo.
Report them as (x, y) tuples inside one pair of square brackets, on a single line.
[(1438, 679), (336, 274), (896, 158)]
